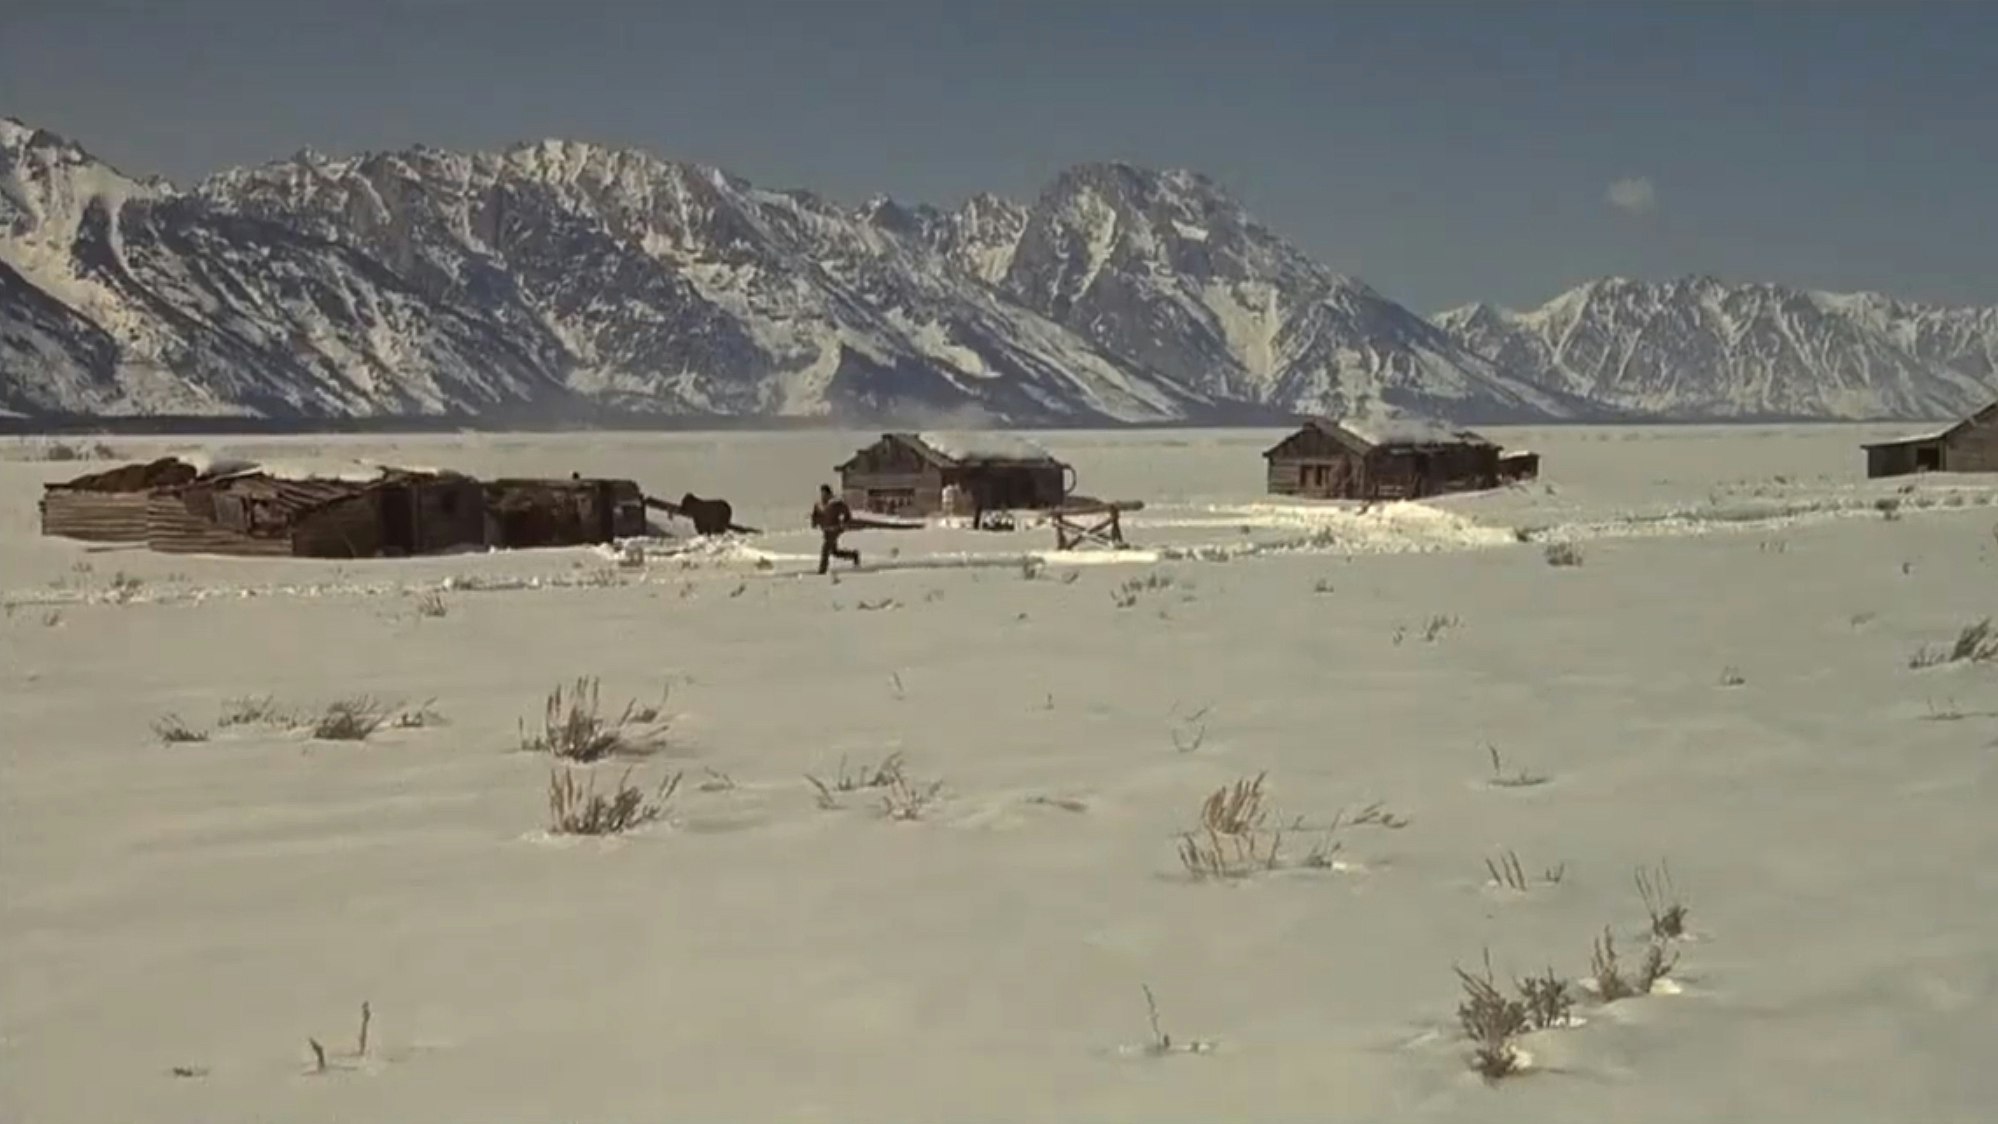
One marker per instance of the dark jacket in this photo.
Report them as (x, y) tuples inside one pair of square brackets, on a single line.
[(831, 516)]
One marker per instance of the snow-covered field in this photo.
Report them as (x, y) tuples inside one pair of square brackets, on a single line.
[(1723, 684)]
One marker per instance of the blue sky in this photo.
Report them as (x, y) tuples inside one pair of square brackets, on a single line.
[(1444, 152)]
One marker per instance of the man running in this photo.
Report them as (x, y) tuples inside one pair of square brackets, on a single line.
[(831, 516)]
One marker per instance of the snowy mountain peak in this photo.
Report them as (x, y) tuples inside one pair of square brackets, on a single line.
[(1701, 347)]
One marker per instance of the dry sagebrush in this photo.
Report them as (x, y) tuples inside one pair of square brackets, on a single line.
[(579, 809), (574, 727)]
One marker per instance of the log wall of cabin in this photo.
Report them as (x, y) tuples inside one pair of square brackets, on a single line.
[(1975, 447), (449, 514), (1324, 477), (345, 528), (183, 522), (94, 516)]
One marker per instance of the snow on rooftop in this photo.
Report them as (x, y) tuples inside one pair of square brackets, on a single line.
[(984, 446), (1403, 430)]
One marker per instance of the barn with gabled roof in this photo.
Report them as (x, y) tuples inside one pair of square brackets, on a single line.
[(911, 473), (1396, 458), (1970, 445)]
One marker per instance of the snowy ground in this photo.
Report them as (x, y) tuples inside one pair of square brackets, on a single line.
[(211, 905)]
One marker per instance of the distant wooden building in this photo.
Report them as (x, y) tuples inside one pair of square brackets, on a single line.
[(109, 506), (1393, 459), (908, 474), (1970, 445), (572, 512), (256, 512)]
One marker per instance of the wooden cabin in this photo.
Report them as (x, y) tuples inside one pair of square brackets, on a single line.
[(1389, 459), (109, 506), (572, 512), (909, 474), (1970, 445), (256, 512)]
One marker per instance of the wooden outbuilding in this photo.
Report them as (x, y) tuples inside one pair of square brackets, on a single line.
[(109, 506), (1365, 459), (911, 474), (572, 512), (258, 512), (1970, 445)]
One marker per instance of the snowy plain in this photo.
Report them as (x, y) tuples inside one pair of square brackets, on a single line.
[(1723, 684)]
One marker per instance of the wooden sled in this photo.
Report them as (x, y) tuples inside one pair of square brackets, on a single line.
[(1086, 522)]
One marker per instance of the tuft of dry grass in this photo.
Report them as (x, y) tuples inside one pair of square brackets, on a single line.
[(171, 730), (1976, 642), (1492, 1021), (351, 720), (1518, 778), (1506, 872), (1731, 676), (1611, 982), (1128, 594), (887, 774), (1434, 628), (905, 800), (419, 717), (431, 605), (579, 809), (259, 710), (574, 728), (1662, 902), (1563, 554)]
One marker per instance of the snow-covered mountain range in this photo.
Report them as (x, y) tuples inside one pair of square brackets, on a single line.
[(559, 280), (1699, 347)]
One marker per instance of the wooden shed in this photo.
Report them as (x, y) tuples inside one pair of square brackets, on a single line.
[(258, 512), (1970, 445), (907, 474), (109, 506), (1331, 458), (572, 512)]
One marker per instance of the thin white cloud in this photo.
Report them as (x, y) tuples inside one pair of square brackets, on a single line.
[(1635, 195)]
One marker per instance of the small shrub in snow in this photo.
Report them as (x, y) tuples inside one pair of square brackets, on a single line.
[(1662, 901), (1436, 626), (418, 717), (1234, 841), (1563, 554), (884, 775), (431, 605), (1492, 1021), (1889, 508), (1607, 970), (52, 618), (1322, 587), (1161, 1043), (171, 730), (573, 725), (1547, 998), (1127, 595), (904, 799), (1506, 872), (261, 710), (579, 809), (1731, 676), (1517, 778), (350, 720), (1976, 643)]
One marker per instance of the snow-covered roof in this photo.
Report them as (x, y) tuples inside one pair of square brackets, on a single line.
[(1405, 429), (984, 446)]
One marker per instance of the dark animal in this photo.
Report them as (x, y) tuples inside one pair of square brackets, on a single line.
[(710, 517)]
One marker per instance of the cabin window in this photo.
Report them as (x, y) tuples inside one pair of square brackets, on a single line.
[(890, 500)]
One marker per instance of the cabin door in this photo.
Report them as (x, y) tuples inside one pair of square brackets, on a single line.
[(398, 521), (1928, 458)]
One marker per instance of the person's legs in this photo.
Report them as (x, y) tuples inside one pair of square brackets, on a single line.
[(826, 548)]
